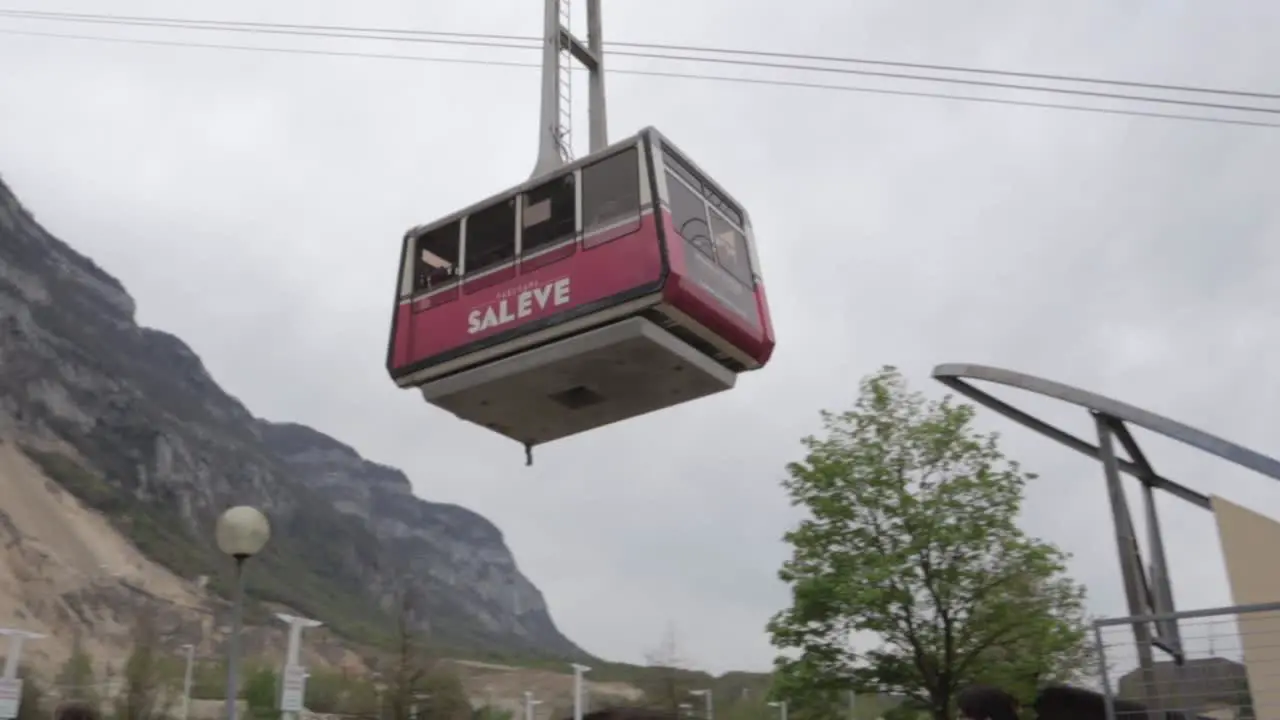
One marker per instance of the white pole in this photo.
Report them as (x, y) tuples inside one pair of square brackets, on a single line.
[(578, 672), (293, 652), (529, 702), (782, 709), (706, 696), (12, 656), (186, 681)]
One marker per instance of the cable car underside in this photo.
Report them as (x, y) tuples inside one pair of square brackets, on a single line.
[(595, 378)]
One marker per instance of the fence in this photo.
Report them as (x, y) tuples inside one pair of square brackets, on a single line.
[(1229, 669)]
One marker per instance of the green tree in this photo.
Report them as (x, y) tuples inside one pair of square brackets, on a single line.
[(76, 681), (449, 700), (143, 696), (666, 686), (411, 664), (486, 712), (260, 687), (324, 691), (33, 703), (911, 539)]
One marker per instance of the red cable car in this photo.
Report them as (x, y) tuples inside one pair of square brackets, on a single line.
[(599, 290), (567, 303)]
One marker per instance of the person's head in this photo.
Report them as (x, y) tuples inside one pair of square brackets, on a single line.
[(77, 711), (984, 702)]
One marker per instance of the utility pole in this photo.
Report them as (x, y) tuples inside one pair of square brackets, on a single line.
[(559, 49)]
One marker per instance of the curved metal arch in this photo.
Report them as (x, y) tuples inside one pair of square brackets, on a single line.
[(954, 375)]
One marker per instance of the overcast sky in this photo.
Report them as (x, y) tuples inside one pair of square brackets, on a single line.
[(253, 204)]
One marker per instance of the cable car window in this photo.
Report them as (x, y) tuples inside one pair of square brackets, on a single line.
[(548, 214), (611, 191), (677, 165), (491, 236), (435, 261), (731, 248), (701, 185), (689, 214)]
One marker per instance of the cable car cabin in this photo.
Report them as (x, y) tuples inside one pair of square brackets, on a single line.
[(567, 303)]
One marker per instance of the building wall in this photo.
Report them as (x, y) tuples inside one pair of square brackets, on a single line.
[(1251, 548)]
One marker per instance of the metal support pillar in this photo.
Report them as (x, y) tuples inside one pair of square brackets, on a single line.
[(559, 47), (1149, 592), (1130, 564), (1161, 587)]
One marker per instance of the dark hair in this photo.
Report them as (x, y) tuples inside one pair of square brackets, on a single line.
[(77, 711), (1063, 702), (984, 702)]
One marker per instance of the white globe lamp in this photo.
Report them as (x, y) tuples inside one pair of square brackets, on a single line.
[(242, 532)]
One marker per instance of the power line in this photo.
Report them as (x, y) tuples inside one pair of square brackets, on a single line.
[(405, 34), (653, 73), (203, 25)]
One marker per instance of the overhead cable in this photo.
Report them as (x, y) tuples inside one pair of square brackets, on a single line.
[(652, 73), (441, 36)]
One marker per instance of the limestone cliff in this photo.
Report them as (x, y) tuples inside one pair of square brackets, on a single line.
[(128, 420)]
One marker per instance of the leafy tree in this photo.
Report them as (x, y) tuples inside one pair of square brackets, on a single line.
[(449, 699), (667, 686), (32, 706), (746, 709), (324, 691), (75, 680), (143, 696), (411, 663), (488, 712), (260, 688), (911, 538)]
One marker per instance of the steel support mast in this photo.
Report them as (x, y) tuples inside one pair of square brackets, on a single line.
[(559, 49)]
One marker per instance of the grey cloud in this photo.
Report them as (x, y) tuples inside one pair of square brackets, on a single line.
[(253, 204)]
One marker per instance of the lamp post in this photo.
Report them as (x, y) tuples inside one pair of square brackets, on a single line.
[(782, 709), (706, 695), (241, 532), (578, 688)]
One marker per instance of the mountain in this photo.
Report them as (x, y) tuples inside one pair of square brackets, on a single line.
[(128, 420)]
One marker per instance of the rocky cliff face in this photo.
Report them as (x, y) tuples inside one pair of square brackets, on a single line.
[(127, 419)]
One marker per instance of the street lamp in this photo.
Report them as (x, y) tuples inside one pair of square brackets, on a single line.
[(782, 709), (706, 695), (241, 532)]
